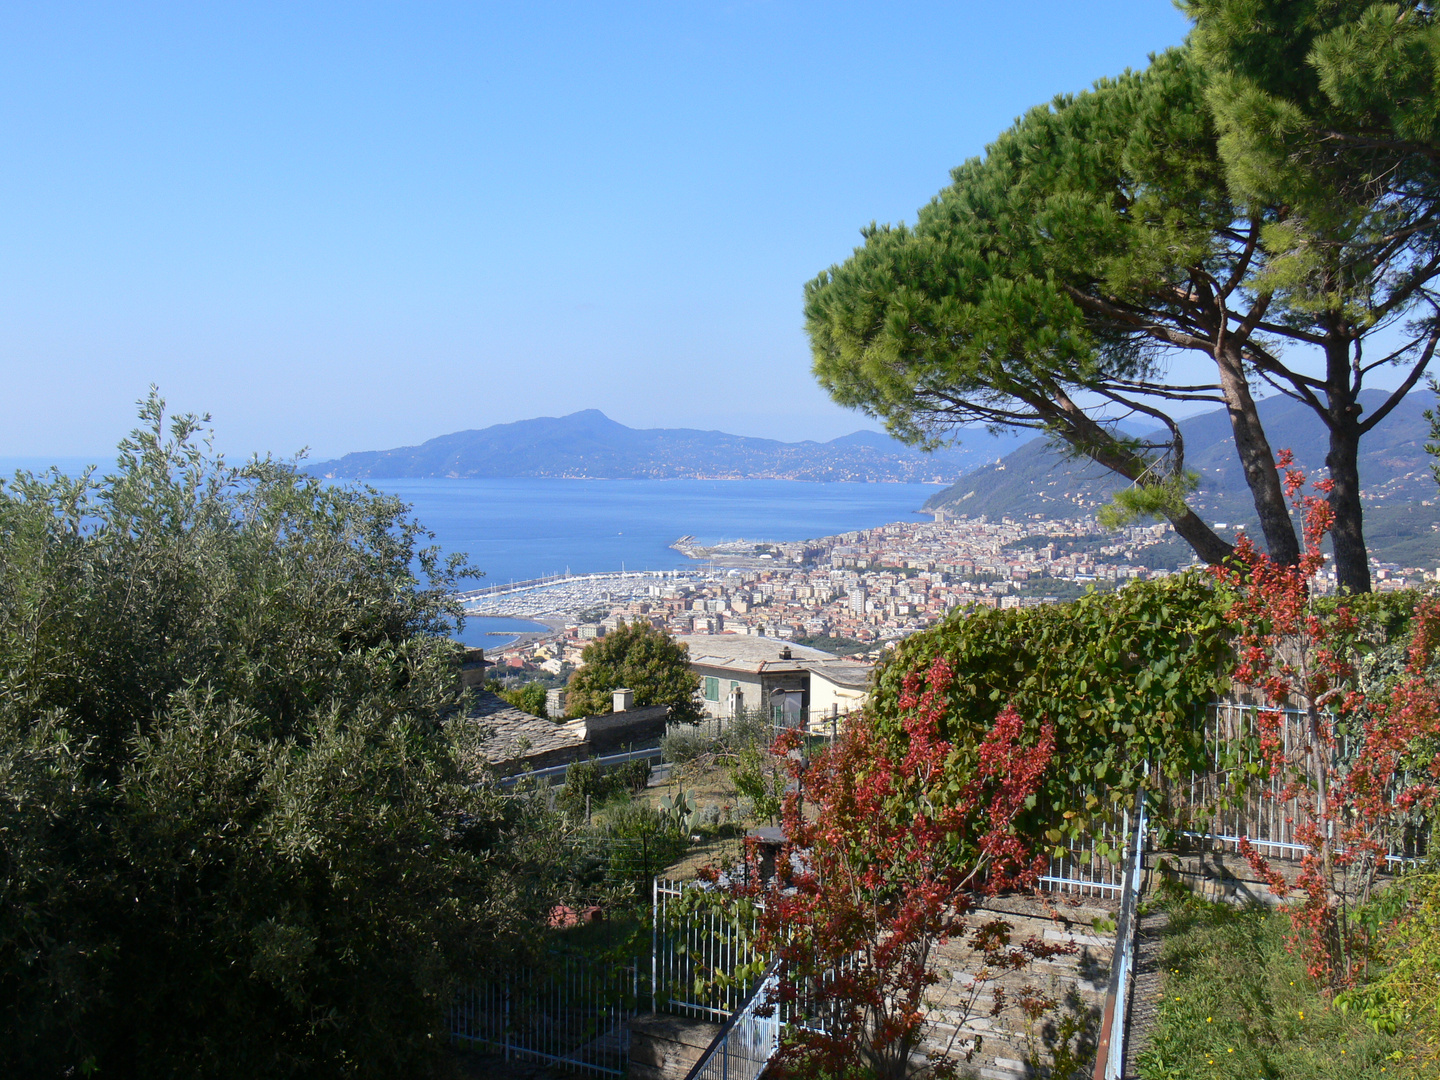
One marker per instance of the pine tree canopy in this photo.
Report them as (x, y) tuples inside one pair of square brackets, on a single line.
[(1059, 282)]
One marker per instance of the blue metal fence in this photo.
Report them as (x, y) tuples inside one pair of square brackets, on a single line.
[(749, 1038)]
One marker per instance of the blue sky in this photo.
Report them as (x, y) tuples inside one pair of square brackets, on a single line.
[(363, 225)]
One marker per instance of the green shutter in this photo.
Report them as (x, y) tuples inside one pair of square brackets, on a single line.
[(712, 688)]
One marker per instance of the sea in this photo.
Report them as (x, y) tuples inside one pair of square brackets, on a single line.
[(517, 529)]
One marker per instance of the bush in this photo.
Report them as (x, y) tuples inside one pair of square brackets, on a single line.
[(529, 698), (751, 730), (588, 778), (647, 661), (235, 840), (1121, 676), (634, 776), (682, 745), (760, 777), (1405, 999), (644, 841)]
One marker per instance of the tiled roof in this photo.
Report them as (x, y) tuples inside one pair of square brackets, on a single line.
[(850, 673), (512, 733)]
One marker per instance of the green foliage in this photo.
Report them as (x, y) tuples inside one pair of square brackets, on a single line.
[(1269, 190), (646, 840), (1048, 272), (588, 781), (1121, 675), (1433, 446), (1330, 107), (698, 750), (647, 661), (1165, 498), (633, 776), (678, 812), (1238, 1004), (761, 778), (838, 645), (1327, 113), (1405, 1000), (529, 698), (234, 839), (752, 729), (682, 745)]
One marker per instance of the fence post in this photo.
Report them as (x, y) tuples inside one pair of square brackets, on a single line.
[(1110, 1053), (654, 943)]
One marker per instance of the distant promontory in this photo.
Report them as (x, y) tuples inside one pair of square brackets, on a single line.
[(589, 445)]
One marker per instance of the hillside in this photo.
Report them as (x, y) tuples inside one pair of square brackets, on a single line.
[(1402, 501), (590, 445)]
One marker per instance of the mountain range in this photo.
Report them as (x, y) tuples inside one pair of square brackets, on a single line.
[(1402, 503), (589, 445)]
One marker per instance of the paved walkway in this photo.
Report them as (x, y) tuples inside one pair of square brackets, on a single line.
[(1146, 992)]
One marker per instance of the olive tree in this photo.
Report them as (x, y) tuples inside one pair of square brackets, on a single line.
[(233, 836)]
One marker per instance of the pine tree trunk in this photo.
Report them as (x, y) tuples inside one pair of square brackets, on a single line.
[(1103, 449), (1258, 462), (1352, 563), (1201, 537)]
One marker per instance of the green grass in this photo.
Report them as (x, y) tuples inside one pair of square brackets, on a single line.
[(1237, 1004)]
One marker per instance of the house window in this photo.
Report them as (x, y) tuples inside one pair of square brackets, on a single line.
[(712, 688)]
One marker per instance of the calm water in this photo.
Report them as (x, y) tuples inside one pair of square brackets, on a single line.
[(490, 632), (518, 529)]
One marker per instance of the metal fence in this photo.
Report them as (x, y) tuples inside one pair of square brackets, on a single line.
[(1114, 1033), (574, 1013), (827, 723), (1092, 866), (749, 1038), (555, 774), (1237, 798), (621, 859), (690, 949)]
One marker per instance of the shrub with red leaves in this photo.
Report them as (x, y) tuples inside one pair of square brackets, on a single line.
[(885, 866), (1297, 655)]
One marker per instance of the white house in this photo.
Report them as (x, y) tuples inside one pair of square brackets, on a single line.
[(792, 682)]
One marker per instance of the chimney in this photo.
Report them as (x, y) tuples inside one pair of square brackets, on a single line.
[(785, 653), (622, 698), (555, 704)]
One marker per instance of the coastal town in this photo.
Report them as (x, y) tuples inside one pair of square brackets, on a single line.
[(860, 589)]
